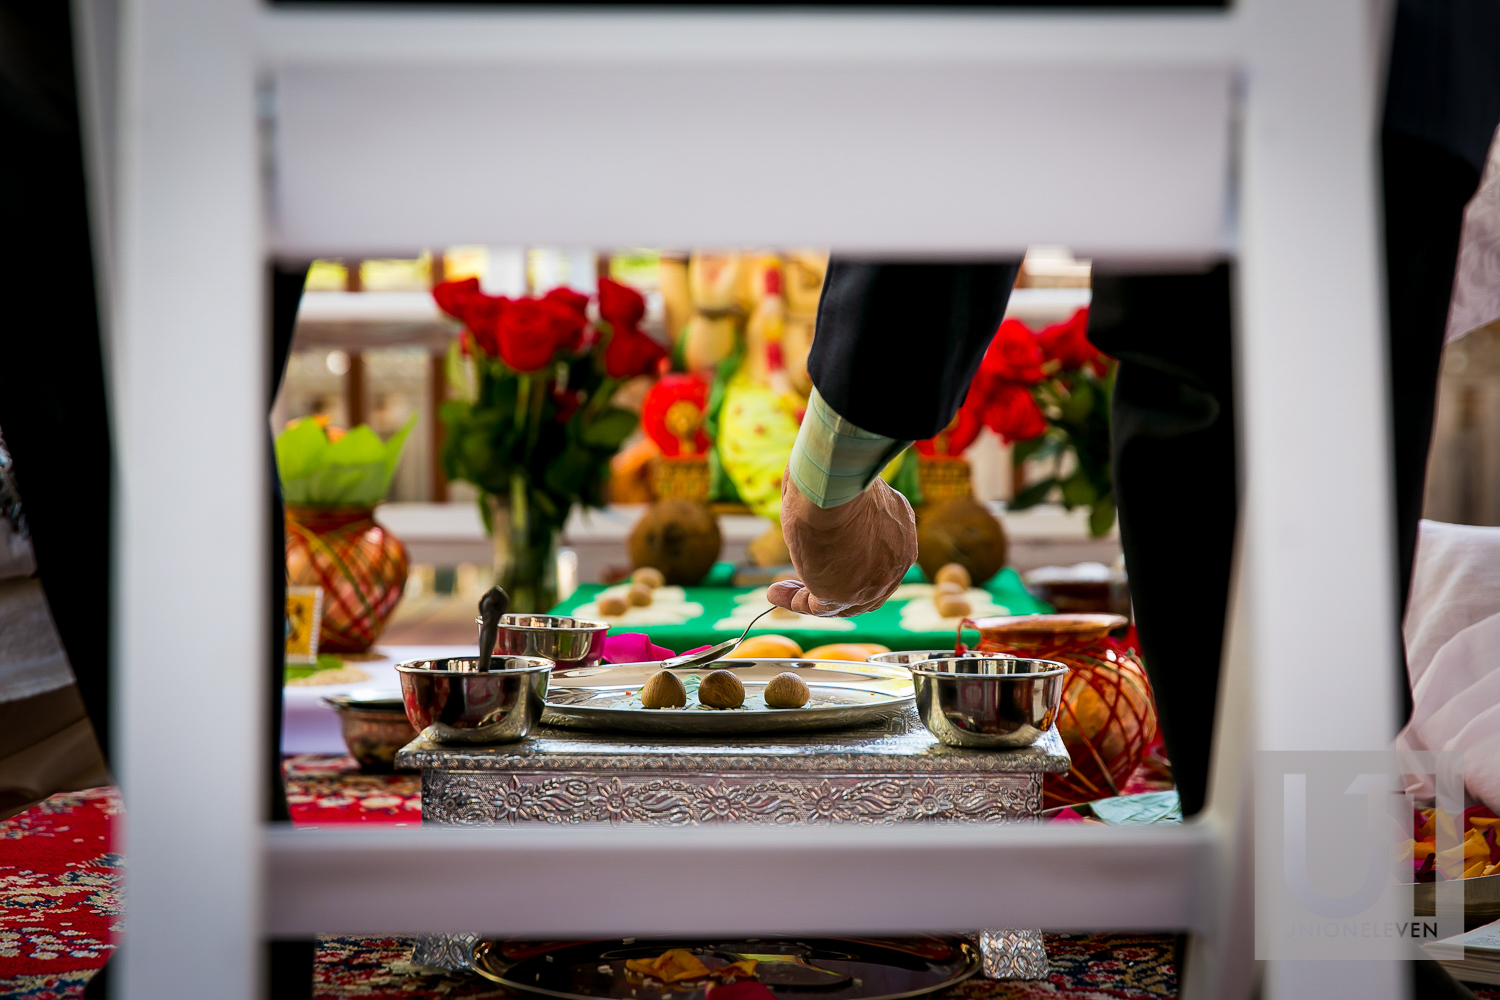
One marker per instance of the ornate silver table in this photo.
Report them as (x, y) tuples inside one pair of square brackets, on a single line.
[(896, 772)]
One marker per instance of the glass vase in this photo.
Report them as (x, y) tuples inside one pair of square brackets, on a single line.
[(525, 552)]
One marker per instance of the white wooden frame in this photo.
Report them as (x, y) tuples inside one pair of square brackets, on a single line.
[(195, 189)]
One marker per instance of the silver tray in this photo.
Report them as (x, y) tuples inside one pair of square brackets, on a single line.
[(823, 968), (843, 694), (1481, 898)]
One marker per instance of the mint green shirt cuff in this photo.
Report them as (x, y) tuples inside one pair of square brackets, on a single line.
[(833, 461)]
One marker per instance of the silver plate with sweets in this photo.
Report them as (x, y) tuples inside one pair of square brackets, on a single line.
[(841, 694)]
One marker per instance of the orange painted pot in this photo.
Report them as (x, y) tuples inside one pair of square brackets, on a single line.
[(1108, 715), (359, 564)]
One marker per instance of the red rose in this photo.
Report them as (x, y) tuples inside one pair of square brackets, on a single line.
[(479, 312), (1011, 412), (530, 331), (453, 296), (620, 304), (576, 301), (1068, 344), (630, 353), (961, 430), (1014, 355), (567, 402)]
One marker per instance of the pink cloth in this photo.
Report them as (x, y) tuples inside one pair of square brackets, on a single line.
[(1476, 280), (635, 647), (1452, 631)]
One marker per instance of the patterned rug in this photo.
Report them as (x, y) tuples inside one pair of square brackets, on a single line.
[(59, 910), (59, 905)]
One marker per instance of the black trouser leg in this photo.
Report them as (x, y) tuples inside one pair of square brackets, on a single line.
[(1176, 492)]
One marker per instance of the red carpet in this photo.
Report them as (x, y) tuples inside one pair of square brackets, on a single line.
[(59, 910), (58, 900)]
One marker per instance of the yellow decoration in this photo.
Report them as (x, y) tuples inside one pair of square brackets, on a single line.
[(757, 428)]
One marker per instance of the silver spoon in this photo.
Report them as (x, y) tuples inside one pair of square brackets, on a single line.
[(491, 606), (714, 652)]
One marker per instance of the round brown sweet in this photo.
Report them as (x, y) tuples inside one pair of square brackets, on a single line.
[(953, 606), (649, 576), (786, 690), (721, 689), (613, 605), (639, 595), (948, 587), (953, 573), (663, 690)]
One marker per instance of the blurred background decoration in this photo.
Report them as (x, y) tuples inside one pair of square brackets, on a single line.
[(712, 423), (331, 481)]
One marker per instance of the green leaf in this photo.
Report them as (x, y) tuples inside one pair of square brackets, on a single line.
[(1102, 517), (568, 473), (1032, 495), (1023, 450), (609, 429), (1078, 405), (721, 488), (1077, 491)]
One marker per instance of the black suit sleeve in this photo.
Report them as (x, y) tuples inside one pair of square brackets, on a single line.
[(898, 343)]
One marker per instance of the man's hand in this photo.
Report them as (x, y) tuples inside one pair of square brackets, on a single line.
[(850, 558)]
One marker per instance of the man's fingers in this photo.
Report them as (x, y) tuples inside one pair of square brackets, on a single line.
[(782, 592), (794, 596)]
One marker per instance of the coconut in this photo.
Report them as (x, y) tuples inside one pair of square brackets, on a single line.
[(678, 537), (962, 531)]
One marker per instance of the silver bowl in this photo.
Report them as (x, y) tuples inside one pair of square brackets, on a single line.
[(566, 641), (988, 702), (906, 657), (375, 728), (449, 701)]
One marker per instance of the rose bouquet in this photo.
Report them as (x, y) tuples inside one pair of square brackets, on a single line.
[(534, 427), (1048, 394)]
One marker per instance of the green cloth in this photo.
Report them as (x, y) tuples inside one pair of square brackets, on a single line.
[(882, 625)]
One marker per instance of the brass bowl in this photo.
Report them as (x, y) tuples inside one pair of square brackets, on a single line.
[(449, 701), (374, 730), (566, 641)]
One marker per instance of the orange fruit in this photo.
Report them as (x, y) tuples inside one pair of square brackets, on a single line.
[(840, 651), (766, 647)]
